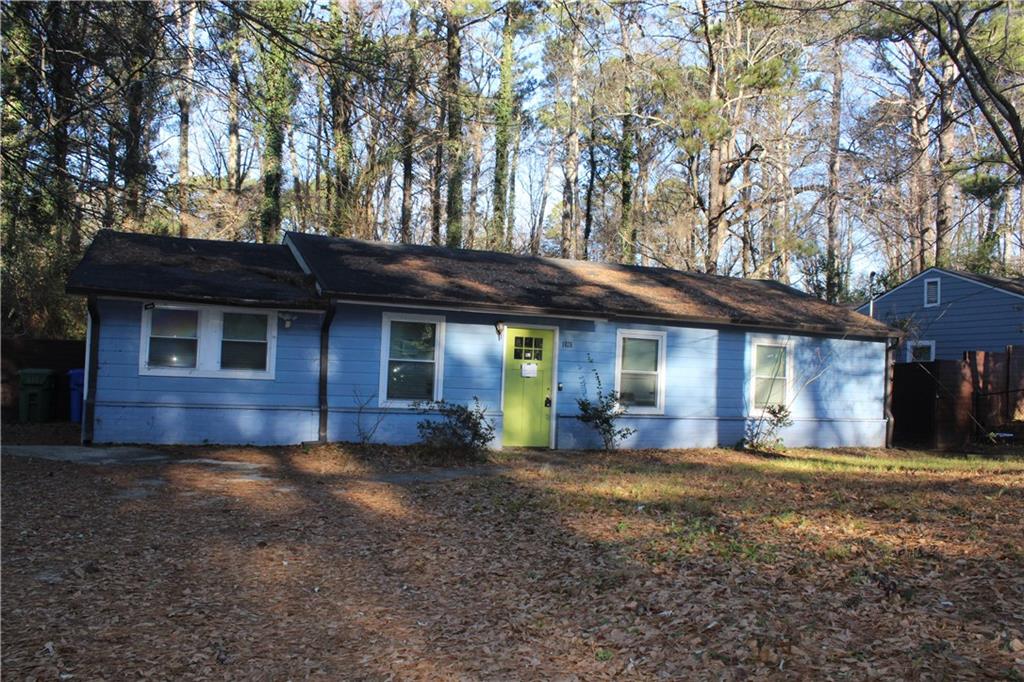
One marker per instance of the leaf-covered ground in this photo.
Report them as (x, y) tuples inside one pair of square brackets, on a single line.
[(690, 564)]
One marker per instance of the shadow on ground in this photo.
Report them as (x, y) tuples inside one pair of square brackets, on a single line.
[(280, 563)]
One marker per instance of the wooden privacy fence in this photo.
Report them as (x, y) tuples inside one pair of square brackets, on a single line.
[(946, 403)]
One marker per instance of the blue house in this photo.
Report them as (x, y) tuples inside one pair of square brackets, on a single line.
[(945, 312), (194, 341)]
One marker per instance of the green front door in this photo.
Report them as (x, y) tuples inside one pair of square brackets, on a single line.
[(529, 358)]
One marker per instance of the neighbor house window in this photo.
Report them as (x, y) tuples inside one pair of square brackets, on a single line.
[(640, 371), (207, 341), (411, 355), (770, 375), (932, 292), (920, 351)]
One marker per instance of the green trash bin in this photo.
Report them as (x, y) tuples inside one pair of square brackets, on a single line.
[(35, 395)]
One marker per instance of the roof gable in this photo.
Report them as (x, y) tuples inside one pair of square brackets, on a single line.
[(404, 274)]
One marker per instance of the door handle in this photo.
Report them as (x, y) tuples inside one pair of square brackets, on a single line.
[(547, 401)]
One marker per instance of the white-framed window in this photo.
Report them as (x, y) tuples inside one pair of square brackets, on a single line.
[(190, 340), (411, 358), (932, 292), (640, 370), (772, 371), (920, 351)]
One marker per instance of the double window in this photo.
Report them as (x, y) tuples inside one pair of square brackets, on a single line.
[(412, 352), (771, 375), (207, 341), (640, 371)]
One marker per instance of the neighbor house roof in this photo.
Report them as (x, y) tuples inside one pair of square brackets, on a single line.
[(357, 270), (199, 270), (1013, 285)]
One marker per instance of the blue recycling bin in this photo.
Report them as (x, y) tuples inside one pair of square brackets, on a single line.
[(76, 386)]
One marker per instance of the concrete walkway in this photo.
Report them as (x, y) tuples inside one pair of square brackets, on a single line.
[(249, 471), (82, 455)]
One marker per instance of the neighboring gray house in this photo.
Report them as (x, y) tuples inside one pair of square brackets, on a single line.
[(946, 312)]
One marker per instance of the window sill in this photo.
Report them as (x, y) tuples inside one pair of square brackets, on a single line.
[(207, 373), (642, 411)]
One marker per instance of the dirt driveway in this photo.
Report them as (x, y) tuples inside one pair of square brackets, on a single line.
[(290, 563)]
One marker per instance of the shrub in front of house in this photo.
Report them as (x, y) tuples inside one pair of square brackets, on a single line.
[(762, 435), (457, 432), (602, 414)]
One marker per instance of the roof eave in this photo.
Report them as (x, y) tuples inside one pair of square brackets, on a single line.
[(198, 298), (848, 332)]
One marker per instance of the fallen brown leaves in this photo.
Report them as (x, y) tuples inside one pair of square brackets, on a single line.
[(703, 564)]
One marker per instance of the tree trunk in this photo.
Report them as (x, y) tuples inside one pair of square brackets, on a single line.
[(234, 94), (717, 199), (627, 152), (436, 177), (947, 141), (409, 127), (111, 183), (503, 112), (270, 211), (135, 168), (188, 30), (61, 86), (456, 161), (832, 274), (537, 226), (510, 226), (476, 141), (588, 215), (922, 164), (570, 169), (298, 192), (342, 100)]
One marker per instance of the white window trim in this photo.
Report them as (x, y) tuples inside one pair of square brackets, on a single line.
[(938, 291), (756, 341), (385, 349), (662, 339), (208, 345), (911, 345)]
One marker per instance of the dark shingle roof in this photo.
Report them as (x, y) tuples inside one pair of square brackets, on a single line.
[(122, 263), (372, 271)]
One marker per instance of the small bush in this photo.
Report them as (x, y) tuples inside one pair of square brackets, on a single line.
[(762, 434), (602, 413), (461, 433)]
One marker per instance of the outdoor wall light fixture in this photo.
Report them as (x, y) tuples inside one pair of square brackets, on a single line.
[(287, 318), (499, 327)]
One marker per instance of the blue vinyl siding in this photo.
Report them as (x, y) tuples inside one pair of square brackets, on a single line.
[(155, 409), (970, 316), (836, 398)]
